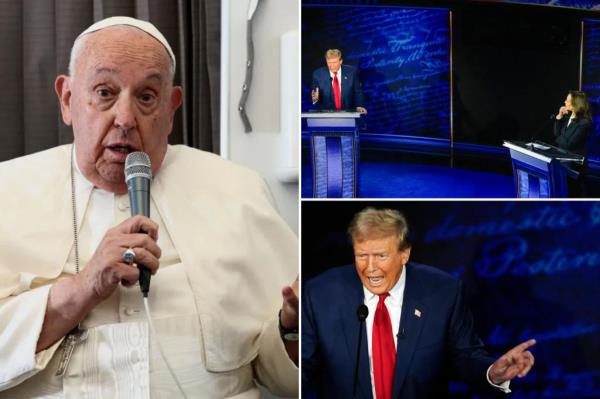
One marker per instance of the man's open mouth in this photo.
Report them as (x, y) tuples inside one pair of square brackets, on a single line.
[(375, 280), (124, 149)]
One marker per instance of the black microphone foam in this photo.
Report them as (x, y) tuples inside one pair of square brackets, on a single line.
[(138, 176), (362, 312)]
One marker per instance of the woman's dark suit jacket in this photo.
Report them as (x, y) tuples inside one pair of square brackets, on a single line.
[(574, 136)]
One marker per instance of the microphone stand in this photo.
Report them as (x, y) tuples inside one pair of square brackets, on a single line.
[(537, 133), (362, 312)]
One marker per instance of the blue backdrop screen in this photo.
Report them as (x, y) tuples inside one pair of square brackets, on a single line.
[(591, 83), (403, 57), (531, 270)]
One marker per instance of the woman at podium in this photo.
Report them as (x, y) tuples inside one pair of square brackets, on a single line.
[(573, 123), (572, 127)]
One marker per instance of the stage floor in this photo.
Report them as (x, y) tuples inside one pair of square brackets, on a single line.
[(405, 180)]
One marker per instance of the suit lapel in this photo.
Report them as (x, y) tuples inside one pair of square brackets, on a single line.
[(571, 128), (414, 314), (347, 81), (350, 324), (327, 90), (568, 127)]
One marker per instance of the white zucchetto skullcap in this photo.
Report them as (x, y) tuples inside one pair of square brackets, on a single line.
[(137, 23)]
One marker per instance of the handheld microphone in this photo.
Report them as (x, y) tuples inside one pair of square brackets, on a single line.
[(138, 175), (362, 312)]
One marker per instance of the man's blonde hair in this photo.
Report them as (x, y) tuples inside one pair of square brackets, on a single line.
[(333, 52), (377, 223)]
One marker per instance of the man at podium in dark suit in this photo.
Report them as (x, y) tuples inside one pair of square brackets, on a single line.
[(418, 331), (337, 87)]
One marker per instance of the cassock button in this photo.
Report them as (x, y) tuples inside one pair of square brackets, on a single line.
[(129, 311)]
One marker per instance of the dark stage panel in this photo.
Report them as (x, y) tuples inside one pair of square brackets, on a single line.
[(514, 66)]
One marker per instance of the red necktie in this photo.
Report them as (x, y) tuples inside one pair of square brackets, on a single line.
[(384, 350), (337, 96)]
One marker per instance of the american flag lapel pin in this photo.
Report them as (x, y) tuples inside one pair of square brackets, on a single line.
[(417, 313)]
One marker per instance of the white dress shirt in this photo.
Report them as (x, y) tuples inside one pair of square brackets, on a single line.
[(339, 76), (394, 306)]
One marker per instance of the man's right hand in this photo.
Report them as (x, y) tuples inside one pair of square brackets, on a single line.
[(71, 299), (103, 273), (315, 95), (517, 362)]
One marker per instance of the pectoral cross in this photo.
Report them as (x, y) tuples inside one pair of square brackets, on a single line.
[(76, 336)]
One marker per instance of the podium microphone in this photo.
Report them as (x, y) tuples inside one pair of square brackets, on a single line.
[(138, 175), (539, 131), (362, 312)]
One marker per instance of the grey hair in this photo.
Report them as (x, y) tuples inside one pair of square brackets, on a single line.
[(79, 45), (333, 53), (376, 223)]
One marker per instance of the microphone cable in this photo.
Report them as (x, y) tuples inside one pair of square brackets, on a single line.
[(160, 348)]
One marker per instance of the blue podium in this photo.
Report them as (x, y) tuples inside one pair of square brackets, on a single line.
[(539, 169), (334, 153)]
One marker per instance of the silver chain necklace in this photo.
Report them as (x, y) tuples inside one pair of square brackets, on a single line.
[(74, 204), (77, 335)]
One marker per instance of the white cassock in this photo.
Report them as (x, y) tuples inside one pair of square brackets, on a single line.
[(225, 256)]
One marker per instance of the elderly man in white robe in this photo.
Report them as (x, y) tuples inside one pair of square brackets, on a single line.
[(219, 253)]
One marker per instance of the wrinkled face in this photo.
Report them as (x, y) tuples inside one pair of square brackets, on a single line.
[(379, 262), (569, 104), (120, 99), (334, 63)]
